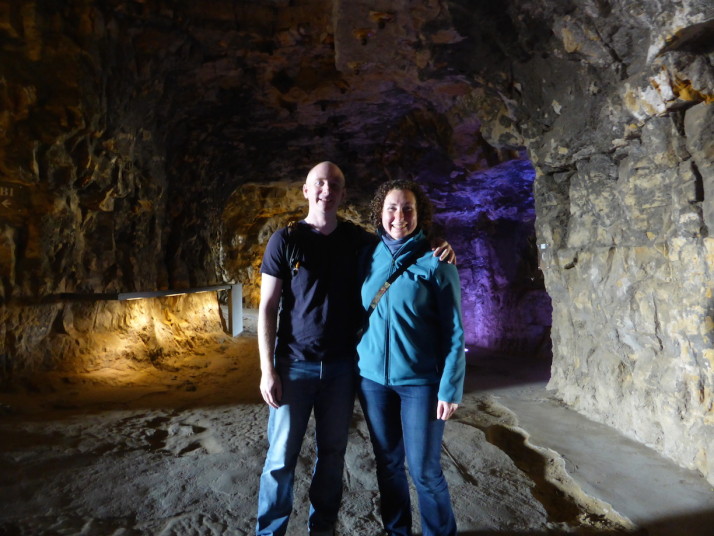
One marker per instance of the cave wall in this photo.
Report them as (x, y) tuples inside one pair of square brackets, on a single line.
[(489, 219), (79, 337), (621, 136), (82, 162)]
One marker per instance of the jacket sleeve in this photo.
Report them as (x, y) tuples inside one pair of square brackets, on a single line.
[(451, 385)]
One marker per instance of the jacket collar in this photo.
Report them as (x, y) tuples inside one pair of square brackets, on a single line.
[(407, 247)]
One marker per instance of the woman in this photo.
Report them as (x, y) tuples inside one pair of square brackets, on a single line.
[(411, 360)]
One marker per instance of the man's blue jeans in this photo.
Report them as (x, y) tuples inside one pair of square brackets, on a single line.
[(402, 420), (328, 388)]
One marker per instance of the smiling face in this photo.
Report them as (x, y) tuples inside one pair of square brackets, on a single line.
[(324, 188), (399, 213)]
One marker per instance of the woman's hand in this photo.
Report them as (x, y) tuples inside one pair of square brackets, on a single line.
[(444, 410)]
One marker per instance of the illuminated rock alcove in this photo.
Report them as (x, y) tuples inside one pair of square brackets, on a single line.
[(568, 147)]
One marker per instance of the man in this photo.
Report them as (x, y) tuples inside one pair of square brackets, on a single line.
[(309, 274), (311, 266)]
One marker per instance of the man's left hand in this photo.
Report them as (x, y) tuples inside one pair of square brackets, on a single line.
[(444, 251)]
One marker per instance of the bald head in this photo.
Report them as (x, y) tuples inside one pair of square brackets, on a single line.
[(324, 189), (326, 169)]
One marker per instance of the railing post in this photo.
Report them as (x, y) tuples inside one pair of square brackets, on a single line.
[(235, 309)]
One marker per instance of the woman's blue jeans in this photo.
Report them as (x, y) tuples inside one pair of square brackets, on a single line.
[(328, 389), (402, 421)]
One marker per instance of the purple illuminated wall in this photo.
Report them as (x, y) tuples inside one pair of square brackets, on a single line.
[(489, 219)]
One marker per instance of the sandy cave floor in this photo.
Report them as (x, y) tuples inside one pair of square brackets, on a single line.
[(178, 450)]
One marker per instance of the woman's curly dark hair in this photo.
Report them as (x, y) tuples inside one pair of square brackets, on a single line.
[(424, 207)]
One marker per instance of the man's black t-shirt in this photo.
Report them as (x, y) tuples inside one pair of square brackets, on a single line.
[(320, 309)]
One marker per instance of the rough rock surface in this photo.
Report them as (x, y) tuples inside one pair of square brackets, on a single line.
[(623, 221), (129, 129)]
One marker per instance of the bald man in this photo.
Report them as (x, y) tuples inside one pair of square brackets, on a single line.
[(310, 277)]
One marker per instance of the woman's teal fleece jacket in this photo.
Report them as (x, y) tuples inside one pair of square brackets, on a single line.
[(415, 335)]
